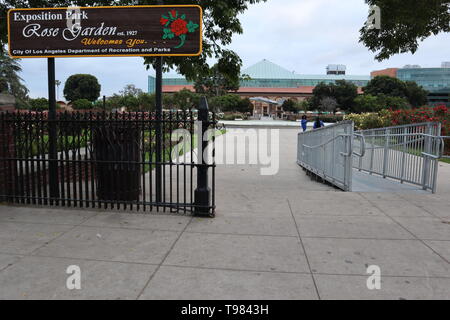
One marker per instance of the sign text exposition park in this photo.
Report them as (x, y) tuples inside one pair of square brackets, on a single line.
[(105, 31)]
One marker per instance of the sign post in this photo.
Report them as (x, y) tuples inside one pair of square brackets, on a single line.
[(159, 131), (119, 31), (52, 132)]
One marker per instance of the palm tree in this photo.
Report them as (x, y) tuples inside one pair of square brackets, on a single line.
[(58, 83), (10, 81)]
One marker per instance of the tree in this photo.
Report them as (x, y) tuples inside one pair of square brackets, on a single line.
[(131, 90), (10, 81), (147, 101), (39, 104), (221, 22), (393, 87), (82, 86), (245, 106), (131, 103), (304, 105), (82, 104), (185, 99), (404, 24), (57, 83), (343, 92), (217, 82), (328, 104), (289, 106), (386, 85), (416, 94), (114, 102), (394, 103), (225, 103), (371, 103), (367, 103), (321, 91)]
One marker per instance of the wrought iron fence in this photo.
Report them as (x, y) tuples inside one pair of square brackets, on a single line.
[(327, 153), (409, 154), (124, 161)]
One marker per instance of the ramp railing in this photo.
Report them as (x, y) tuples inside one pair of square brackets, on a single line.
[(327, 153), (409, 154), (445, 147)]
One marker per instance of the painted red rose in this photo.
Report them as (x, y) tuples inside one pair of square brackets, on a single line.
[(173, 13), (179, 27), (163, 21)]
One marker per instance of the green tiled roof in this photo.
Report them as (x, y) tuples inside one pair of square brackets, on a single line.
[(268, 70), (266, 74)]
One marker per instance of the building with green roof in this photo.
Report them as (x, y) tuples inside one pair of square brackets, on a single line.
[(266, 74), (270, 85)]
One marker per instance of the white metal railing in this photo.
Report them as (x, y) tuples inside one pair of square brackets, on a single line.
[(327, 153), (409, 154), (444, 155)]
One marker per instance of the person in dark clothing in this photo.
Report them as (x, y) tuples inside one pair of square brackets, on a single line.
[(318, 123)]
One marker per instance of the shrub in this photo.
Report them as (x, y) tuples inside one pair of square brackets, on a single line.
[(39, 104), (425, 114), (131, 103), (82, 86), (82, 104), (387, 118), (147, 101), (366, 121)]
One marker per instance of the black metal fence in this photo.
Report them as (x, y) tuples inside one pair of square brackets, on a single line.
[(125, 161)]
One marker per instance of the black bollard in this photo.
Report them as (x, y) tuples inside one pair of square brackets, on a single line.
[(203, 192)]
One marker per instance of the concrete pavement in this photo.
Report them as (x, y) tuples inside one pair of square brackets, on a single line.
[(276, 237)]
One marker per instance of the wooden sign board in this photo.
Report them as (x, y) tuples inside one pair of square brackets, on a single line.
[(105, 31)]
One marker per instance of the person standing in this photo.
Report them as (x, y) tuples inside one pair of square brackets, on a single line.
[(304, 123)]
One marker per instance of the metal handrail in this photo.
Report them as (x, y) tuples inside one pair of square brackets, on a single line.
[(408, 153), (443, 147), (422, 124), (363, 146), (327, 142), (327, 153)]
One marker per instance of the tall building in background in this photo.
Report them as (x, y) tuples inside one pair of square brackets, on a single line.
[(435, 80)]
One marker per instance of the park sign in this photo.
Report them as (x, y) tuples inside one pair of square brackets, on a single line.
[(105, 31)]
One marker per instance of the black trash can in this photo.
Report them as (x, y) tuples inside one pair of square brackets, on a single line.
[(117, 156)]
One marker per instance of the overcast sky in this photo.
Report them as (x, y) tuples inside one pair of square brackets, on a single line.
[(301, 35)]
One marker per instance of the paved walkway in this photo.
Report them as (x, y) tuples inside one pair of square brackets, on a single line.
[(275, 237)]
